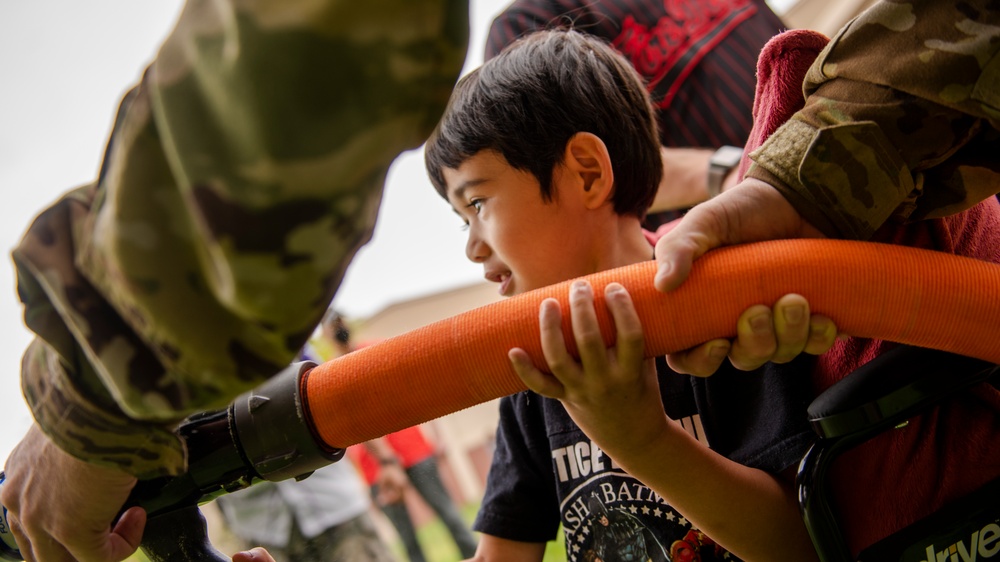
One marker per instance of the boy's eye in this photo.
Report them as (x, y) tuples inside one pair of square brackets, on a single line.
[(476, 205)]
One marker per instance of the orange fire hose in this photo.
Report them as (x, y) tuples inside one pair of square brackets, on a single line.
[(906, 295)]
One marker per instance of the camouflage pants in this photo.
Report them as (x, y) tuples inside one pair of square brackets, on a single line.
[(355, 540)]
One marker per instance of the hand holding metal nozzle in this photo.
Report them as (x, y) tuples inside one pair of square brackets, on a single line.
[(263, 435)]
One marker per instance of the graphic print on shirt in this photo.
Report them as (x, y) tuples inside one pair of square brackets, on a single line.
[(609, 516), (668, 51)]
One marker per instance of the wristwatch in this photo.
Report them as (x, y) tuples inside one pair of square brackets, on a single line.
[(719, 165)]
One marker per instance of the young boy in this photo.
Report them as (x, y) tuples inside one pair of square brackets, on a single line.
[(550, 154)]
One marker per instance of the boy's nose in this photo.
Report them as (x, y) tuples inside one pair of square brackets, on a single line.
[(475, 249)]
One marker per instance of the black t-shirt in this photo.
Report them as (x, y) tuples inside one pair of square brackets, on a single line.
[(545, 471)]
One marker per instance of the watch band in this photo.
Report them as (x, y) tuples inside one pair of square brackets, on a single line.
[(719, 165)]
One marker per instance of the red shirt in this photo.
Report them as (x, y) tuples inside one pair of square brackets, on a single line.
[(906, 474), (410, 446)]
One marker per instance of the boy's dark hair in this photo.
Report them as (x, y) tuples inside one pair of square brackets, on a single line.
[(528, 101)]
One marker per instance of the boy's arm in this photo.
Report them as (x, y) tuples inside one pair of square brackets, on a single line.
[(495, 549), (751, 513), (613, 395)]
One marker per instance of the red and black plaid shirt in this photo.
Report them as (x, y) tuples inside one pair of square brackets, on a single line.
[(698, 56)]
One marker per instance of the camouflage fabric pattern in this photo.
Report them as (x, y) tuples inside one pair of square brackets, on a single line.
[(243, 173), (901, 119)]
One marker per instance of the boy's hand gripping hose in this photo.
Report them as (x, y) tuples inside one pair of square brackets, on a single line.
[(906, 295)]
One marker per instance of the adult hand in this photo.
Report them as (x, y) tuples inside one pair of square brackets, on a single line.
[(61, 508), (764, 334), (751, 211)]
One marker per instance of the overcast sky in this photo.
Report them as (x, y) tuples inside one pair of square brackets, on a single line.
[(64, 65)]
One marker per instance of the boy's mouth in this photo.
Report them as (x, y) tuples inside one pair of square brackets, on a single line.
[(503, 278), (504, 285)]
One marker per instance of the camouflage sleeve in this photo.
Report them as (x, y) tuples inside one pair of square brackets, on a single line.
[(242, 174), (901, 119)]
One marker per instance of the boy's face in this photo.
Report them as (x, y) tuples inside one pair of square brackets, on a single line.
[(523, 242)]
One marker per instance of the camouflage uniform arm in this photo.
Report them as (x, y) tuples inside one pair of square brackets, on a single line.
[(242, 174), (901, 119)]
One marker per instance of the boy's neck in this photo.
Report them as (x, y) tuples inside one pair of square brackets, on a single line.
[(626, 244)]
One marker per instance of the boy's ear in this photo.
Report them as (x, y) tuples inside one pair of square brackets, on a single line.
[(588, 165)]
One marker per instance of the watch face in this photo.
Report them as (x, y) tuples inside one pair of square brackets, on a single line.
[(720, 164), (727, 156)]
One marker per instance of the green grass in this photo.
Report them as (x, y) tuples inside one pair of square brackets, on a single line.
[(438, 546), (437, 543)]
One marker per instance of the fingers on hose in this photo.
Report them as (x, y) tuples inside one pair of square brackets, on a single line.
[(756, 340), (586, 330), (560, 363), (701, 361), (542, 383), (553, 341), (792, 327), (629, 336), (822, 334), (705, 227), (675, 253)]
